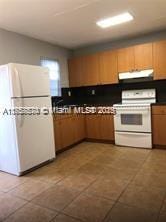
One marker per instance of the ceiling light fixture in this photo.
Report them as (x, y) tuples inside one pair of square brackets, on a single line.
[(116, 20)]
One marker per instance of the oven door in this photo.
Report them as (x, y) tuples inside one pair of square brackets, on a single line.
[(133, 119)]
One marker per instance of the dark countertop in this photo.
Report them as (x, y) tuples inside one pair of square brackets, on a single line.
[(104, 105), (83, 105), (159, 104)]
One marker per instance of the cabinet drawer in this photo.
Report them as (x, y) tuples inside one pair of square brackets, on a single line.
[(159, 110)]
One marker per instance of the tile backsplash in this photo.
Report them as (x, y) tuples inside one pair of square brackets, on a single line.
[(107, 94)]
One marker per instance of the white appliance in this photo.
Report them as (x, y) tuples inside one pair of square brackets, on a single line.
[(136, 75), (132, 120), (26, 141)]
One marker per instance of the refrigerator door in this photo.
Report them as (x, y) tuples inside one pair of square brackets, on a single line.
[(28, 80), (35, 137), (8, 143)]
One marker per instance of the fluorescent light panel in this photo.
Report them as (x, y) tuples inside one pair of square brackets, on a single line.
[(116, 20)]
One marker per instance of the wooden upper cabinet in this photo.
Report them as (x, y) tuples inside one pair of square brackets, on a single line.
[(138, 57), (143, 56), (90, 70), (159, 59), (108, 64), (103, 68), (126, 59), (75, 71)]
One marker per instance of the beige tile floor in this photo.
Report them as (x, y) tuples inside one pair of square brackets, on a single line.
[(92, 182)]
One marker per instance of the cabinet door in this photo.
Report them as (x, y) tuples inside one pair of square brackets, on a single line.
[(79, 128), (57, 134), (90, 70), (93, 126), (108, 67), (107, 127), (75, 71), (159, 59), (126, 61), (67, 132), (159, 128), (143, 56)]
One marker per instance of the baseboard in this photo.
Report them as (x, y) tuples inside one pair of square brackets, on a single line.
[(156, 146), (36, 167), (69, 147), (100, 141)]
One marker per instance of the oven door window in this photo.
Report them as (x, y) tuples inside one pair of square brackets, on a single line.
[(131, 119)]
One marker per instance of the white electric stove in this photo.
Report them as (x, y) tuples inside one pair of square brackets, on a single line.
[(132, 120)]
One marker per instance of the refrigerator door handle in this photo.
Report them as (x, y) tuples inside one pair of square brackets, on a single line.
[(20, 96), (22, 120), (19, 83)]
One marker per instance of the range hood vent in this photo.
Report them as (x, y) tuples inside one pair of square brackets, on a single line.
[(136, 76)]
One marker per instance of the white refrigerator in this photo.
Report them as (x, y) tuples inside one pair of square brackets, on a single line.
[(26, 141)]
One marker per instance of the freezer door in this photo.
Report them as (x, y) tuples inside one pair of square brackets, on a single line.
[(35, 137), (28, 80)]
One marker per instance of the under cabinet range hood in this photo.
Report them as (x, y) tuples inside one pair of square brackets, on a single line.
[(136, 76)]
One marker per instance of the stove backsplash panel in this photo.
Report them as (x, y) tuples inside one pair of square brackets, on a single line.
[(106, 94)]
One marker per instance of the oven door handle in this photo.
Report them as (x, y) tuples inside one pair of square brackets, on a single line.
[(126, 109), (130, 108), (132, 133)]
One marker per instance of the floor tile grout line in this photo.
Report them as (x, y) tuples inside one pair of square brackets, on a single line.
[(130, 182), (13, 188), (83, 191), (76, 218), (15, 211), (22, 198), (162, 204), (117, 200), (59, 211)]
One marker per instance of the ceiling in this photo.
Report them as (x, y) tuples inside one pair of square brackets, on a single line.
[(72, 23)]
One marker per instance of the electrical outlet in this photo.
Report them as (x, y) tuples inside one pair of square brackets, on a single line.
[(93, 92)]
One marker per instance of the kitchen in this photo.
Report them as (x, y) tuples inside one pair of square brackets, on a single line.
[(101, 155)]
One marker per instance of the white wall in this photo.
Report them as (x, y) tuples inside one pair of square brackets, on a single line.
[(21, 49), (120, 43)]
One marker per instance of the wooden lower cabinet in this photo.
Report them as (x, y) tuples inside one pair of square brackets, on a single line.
[(107, 127), (79, 130), (68, 130), (57, 134), (159, 126), (100, 127), (93, 126)]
